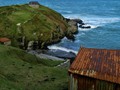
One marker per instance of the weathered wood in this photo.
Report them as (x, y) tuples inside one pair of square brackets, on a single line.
[(78, 82)]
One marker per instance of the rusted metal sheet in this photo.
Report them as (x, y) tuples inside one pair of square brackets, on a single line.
[(101, 64)]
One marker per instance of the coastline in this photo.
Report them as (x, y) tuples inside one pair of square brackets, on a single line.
[(40, 54), (74, 24), (36, 35), (58, 54), (51, 54), (46, 38)]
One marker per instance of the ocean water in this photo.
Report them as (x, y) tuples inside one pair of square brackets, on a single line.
[(102, 15)]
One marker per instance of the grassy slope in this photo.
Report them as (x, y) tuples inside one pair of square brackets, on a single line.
[(40, 21), (22, 71)]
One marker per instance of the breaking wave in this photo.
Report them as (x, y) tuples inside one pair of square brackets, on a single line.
[(54, 47)]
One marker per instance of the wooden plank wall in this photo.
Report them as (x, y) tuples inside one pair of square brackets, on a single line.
[(78, 82)]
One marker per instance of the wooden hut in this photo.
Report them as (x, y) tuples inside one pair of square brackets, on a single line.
[(5, 41), (95, 69)]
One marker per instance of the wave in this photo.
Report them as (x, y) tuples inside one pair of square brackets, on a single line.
[(93, 26), (54, 47), (101, 21), (93, 20)]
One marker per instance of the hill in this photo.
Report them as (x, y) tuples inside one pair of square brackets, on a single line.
[(22, 71), (41, 24)]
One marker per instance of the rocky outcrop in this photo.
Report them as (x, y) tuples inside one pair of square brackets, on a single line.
[(74, 24), (73, 27), (60, 54), (75, 20)]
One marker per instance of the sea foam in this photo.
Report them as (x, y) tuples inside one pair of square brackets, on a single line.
[(54, 47), (93, 21)]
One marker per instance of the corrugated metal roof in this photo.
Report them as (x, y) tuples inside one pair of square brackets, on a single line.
[(98, 63), (4, 39)]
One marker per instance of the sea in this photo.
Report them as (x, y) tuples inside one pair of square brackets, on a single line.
[(102, 15)]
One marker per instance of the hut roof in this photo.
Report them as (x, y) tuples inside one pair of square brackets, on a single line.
[(4, 39), (100, 64)]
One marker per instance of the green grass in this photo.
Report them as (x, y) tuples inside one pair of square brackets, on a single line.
[(22, 71), (19, 16)]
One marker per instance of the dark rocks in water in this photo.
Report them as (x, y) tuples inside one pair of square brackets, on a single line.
[(73, 27), (84, 26), (70, 36), (61, 54), (79, 21), (80, 25)]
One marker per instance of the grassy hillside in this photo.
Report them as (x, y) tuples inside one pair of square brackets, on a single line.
[(41, 24), (22, 71)]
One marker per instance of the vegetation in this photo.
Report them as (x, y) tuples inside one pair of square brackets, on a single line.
[(22, 71), (35, 24)]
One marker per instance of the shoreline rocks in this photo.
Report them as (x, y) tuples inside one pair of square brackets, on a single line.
[(61, 54), (84, 26), (73, 27), (53, 54), (75, 20)]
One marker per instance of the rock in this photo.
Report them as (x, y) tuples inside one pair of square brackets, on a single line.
[(78, 21), (71, 22), (67, 19), (84, 26), (80, 26), (73, 27), (70, 36), (61, 54)]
